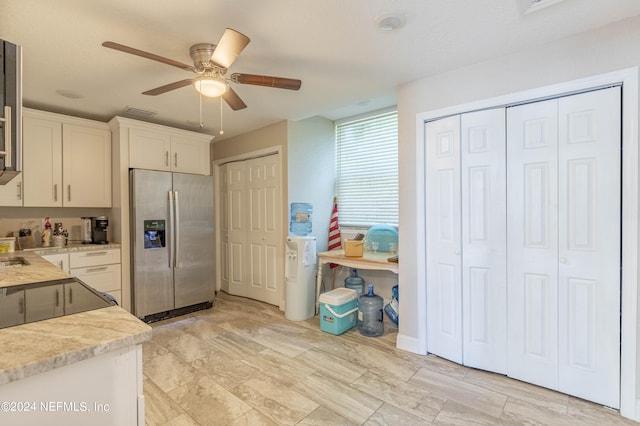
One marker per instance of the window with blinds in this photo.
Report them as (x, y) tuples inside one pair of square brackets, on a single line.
[(367, 168)]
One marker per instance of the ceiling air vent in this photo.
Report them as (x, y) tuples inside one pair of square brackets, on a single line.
[(139, 112), (536, 5)]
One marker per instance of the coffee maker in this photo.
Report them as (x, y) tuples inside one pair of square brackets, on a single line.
[(99, 230)]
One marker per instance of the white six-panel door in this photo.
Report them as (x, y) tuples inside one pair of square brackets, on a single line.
[(546, 202), (251, 222), (589, 245), (532, 194), (444, 249), (266, 244), (563, 184), (484, 215)]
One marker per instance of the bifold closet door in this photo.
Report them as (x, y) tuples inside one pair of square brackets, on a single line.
[(466, 225), (563, 198), (444, 260), (484, 217)]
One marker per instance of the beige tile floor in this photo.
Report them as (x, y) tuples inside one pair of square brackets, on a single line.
[(243, 363)]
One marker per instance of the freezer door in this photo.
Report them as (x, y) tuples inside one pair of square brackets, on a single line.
[(151, 276), (195, 239)]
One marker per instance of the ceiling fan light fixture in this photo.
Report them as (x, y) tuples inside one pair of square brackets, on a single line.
[(210, 87)]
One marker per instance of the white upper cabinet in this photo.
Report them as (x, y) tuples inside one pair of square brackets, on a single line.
[(189, 155), (149, 149), (42, 161), (66, 161), (11, 193), (156, 147), (86, 175)]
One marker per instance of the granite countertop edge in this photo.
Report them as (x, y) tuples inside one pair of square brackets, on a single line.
[(70, 248), (38, 347)]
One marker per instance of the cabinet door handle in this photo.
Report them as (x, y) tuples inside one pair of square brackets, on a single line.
[(58, 296), (102, 268), (19, 188), (61, 267), (70, 296), (69, 192), (21, 306), (55, 192), (166, 158), (97, 253), (175, 159), (7, 136)]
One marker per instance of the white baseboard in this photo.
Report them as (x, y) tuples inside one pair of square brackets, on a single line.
[(409, 344)]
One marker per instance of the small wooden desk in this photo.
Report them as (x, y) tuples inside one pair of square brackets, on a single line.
[(375, 261)]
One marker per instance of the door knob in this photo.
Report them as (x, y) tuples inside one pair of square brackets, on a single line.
[(563, 260)]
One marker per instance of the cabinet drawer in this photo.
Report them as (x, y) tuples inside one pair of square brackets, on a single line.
[(101, 278), (85, 259)]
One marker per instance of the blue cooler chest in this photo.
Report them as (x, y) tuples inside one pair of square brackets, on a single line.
[(338, 310)]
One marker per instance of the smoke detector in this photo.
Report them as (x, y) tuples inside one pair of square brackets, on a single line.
[(536, 5), (391, 21)]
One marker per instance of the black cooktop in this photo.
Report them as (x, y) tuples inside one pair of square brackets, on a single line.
[(27, 303)]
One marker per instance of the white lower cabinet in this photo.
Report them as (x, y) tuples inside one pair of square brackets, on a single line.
[(11, 193), (60, 260), (104, 390), (99, 269), (523, 242)]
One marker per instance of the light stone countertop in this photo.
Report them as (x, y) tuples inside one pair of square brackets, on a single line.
[(69, 248), (33, 348), (41, 346), (38, 270)]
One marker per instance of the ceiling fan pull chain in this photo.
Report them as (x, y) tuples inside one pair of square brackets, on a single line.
[(221, 131), (201, 123)]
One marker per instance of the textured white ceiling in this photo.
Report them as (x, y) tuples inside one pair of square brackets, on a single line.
[(347, 66)]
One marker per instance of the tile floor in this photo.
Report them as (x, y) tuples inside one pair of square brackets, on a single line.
[(243, 363)]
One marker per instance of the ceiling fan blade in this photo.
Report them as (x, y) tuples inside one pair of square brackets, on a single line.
[(233, 100), (268, 81), (168, 87), (229, 47), (142, 53)]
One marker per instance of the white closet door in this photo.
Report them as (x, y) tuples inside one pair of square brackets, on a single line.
[(484, 217), (265, 226), (237, 229), (532, 242), (444, 284), (589, 245), (564, 244)]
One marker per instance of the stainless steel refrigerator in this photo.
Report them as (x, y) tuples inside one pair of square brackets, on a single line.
[(172, 236)]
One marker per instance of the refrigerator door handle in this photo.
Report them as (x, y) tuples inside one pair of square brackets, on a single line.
[(177, 230), (171, 230)]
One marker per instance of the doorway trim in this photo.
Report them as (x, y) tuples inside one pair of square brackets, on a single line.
[(628, 78), (216, 164)]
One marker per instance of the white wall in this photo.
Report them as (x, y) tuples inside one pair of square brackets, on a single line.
[(610, 48), (312, 170)]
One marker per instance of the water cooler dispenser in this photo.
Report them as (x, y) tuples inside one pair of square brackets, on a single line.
[(300, 278)]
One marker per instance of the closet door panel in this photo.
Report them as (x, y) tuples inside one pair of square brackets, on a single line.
[(589, 245), (484, 281), (444, 291), (532, 252)]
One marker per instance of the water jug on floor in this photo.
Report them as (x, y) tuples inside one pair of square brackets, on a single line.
[(354, 282), (370, 319)]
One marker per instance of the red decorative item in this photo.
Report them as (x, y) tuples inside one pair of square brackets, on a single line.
[(335, 242)]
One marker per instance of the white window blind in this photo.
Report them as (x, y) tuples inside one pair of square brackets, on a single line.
[(367, 167)]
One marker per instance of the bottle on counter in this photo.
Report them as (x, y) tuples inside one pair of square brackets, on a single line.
[(46, 233), (370, 317)]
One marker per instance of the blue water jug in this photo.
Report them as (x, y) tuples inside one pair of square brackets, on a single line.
[(355, 282), (370, 319), (300, 224)]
